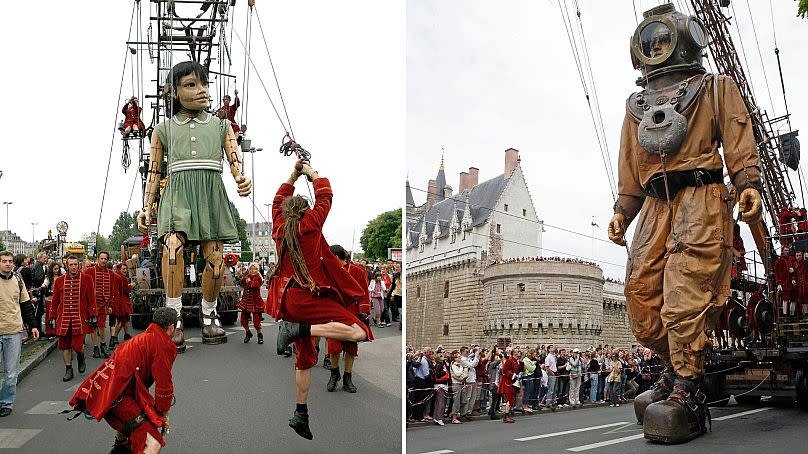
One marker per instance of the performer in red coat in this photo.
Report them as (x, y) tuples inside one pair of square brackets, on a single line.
[(106, 284), (118, 391), (251, 304), (122, 306), (510, 373), (801, 276), (310, 291), (786, 225), (74, 306), (754, 299), (229, 111), (132, 121), (737, 244), (785, 279), (360, 308)]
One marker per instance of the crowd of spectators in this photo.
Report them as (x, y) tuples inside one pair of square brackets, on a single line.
[(455, 385)]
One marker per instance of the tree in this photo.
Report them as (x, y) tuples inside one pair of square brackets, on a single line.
[(802, 9), (2, 245), (381, 233), (241, 228), (124, 227)]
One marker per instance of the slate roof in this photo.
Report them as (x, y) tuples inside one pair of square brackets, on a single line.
[(482, 198), (410, 199)]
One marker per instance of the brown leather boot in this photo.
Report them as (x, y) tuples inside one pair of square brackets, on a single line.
[(658, 392), (682, 417), (212, 333), (179, 337)]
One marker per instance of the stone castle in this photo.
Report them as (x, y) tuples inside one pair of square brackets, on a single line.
[(475, 273)]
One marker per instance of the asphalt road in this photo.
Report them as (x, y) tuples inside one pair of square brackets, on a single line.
[(231, 398), (736, 429)]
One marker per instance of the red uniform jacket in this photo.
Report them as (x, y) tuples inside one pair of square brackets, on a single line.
[(801, 276), (251, 296), (122, 301), (73, 303), (132, 115), (737, 243), (144, 360), (506, 380), (327, 271), (783, 276), (754, 298), (361, 277), (106, 287), (231, 115)]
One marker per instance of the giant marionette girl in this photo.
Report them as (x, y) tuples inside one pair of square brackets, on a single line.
[(671, 174), (194, 207)]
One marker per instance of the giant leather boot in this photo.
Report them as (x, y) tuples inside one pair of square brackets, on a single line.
[(212, 333), (659, 391), (682, 417), (300, 422), (179, 337), (332, 381)]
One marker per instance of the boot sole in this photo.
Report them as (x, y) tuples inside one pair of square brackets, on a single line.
[(670, 440), (300, 431), (181, 349), (214, 340)]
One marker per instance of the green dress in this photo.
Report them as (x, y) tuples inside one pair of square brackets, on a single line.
[(194, 201)]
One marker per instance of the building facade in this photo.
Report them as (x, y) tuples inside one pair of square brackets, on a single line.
[(262, 244), (15, 244), (475, 272)]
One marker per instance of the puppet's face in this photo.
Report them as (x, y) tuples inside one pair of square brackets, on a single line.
[(192, 93)]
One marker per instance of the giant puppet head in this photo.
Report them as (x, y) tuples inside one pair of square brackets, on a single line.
[(667, 41), (187, 86)]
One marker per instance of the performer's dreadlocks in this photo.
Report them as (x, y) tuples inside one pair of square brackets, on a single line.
[(293, 209)]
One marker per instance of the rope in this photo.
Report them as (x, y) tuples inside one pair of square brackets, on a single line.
[(112, 139), (760, 54), (275, 75)]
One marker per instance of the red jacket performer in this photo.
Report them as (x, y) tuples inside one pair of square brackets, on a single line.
[(251, 303), (310, 291), (122, 305), (801, 277), (118, 391), (510, 374), (74, 306), (360, 308), (785, 279), (106, 288), (131, 111)]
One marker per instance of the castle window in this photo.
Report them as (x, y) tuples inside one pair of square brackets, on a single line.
[(524, 212), (506, 207), (521, 287), (418, 292), (499, 228), (446, 289), (445, 329), (541, 286)]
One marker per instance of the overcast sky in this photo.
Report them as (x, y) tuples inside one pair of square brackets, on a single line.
[(341, 69), (483, 76)]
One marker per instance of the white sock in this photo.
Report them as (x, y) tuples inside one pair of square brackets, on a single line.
[(793, 308), (176, 304), (207, 309)]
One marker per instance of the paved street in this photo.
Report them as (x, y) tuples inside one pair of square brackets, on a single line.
[(231, 398), (736, 429)]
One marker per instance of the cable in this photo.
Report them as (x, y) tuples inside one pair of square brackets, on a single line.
[(524, 219), (760, 54), (277, 84), (114, 129)]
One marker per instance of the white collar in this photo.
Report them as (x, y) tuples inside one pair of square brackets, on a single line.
[(197, 119)]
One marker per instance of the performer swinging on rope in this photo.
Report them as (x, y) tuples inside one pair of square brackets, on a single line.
[(194, 206), (310, 291)]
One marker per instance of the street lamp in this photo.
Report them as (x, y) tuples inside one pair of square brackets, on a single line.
[(7, 204), (247, 148), (33, 231)]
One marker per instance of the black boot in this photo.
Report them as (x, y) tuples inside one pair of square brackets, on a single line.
[(103, 349), (68, 373), (113, 341), (120, 448), (332, 381), (96, 353), (260, 337), (658, 392), (288, 352), (126, 337), (300, 422), (347, 383), (682, 417), (82, 363), (290, 332), (247, 336), (327, 362)]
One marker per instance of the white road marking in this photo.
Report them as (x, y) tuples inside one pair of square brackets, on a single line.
[(743, 413), (605, 443), (442, 451), (49, 407), (15, 438), (584, 429), (194, 339)]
